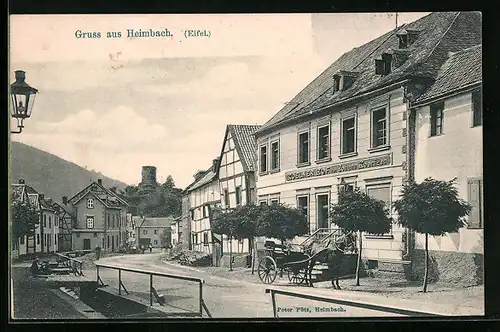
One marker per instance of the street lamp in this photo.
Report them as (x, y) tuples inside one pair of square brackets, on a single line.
[(22, 100), (343, 185)]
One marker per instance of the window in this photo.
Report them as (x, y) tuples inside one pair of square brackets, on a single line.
[(205, 238), (383, 66), (275, 156), (379, 127), (38, 239), (109, 220), (55, 239), (302, 205), (348, 135), (21, 239), (50, 222), (381, 192), (155, 241), (475, 198), (226, 198), (323, 142), (263, 159), (156, 231), (90, 221), (322, 210), (263, 203), (108, 242), (192, 214), (403, 41), (336, 83), (145, 232), (477, 108), (113, 220), (90, 203), (204, 211), (437, 119), (238, 195), (303, 148), (275, 201), (95, 234), (44, 220)]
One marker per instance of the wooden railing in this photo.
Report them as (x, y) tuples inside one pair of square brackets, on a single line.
[(349, 303), (72, 263), (152, 291)]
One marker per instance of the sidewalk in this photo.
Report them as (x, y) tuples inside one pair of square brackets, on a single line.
[(440, 298), (36, 301)]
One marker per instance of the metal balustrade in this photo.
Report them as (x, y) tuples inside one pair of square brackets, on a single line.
[(75, 265), (153, 295), (348, 303)]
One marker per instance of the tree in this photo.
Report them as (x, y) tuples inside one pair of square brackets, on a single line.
[(431, 207), (281, 222), (225, 223), (358, 212), (25, 218)]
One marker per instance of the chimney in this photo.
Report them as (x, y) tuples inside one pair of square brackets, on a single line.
[(99, 182), (113, 189), (198, 175), (21, 181), (65, 200), (215, 163)]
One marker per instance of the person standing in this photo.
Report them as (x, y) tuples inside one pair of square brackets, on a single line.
[(150, 248)]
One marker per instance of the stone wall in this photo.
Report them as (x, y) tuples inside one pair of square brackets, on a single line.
[(239, 260), (465, 269)]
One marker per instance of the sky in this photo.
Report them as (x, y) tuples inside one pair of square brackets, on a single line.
[(114, 105)]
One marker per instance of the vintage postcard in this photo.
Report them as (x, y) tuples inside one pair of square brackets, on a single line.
[(248, 166)]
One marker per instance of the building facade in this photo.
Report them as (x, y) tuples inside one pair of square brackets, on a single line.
[(448, 144), (203, 196), (46, 236), (151, 231), (175, 231), (100, 218), (350, 126), (236, 175)]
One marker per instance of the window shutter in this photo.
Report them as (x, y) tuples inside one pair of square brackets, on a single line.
[(474, 195)]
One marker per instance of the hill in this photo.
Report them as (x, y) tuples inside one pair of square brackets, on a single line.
[(50, 175)]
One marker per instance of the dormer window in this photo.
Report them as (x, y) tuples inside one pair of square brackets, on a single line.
[(343, 79), (90, 203), (383, 66)]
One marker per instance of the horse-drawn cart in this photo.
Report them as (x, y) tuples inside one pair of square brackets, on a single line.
[(299, 264)]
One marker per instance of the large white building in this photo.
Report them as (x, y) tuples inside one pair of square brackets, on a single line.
[(448, 144), (351, 125)]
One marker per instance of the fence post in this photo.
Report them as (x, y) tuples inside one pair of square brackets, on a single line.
[(201, 299), (119, 282), (273, 298), (151, 290)]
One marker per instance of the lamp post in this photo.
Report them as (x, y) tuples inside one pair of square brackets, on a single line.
[(22, 100)]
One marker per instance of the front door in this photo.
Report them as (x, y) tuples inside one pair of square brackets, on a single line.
[(322, 209), (86, 244), (112, 243)]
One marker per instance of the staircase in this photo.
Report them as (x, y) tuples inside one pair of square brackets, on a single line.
[(321, 235)]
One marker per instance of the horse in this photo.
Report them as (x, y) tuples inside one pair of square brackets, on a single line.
[(333, 252)]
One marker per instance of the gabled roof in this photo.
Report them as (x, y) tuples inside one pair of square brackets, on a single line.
[(18, 192), (108, 198), (157, 222), (462, 69), (245, 144), (439, 33), (61, 208), (207, 177)]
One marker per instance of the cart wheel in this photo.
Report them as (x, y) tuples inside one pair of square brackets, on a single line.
[(267, 270), (297, 277)]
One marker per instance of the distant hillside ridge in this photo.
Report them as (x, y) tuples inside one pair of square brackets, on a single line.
[(51, 175)]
